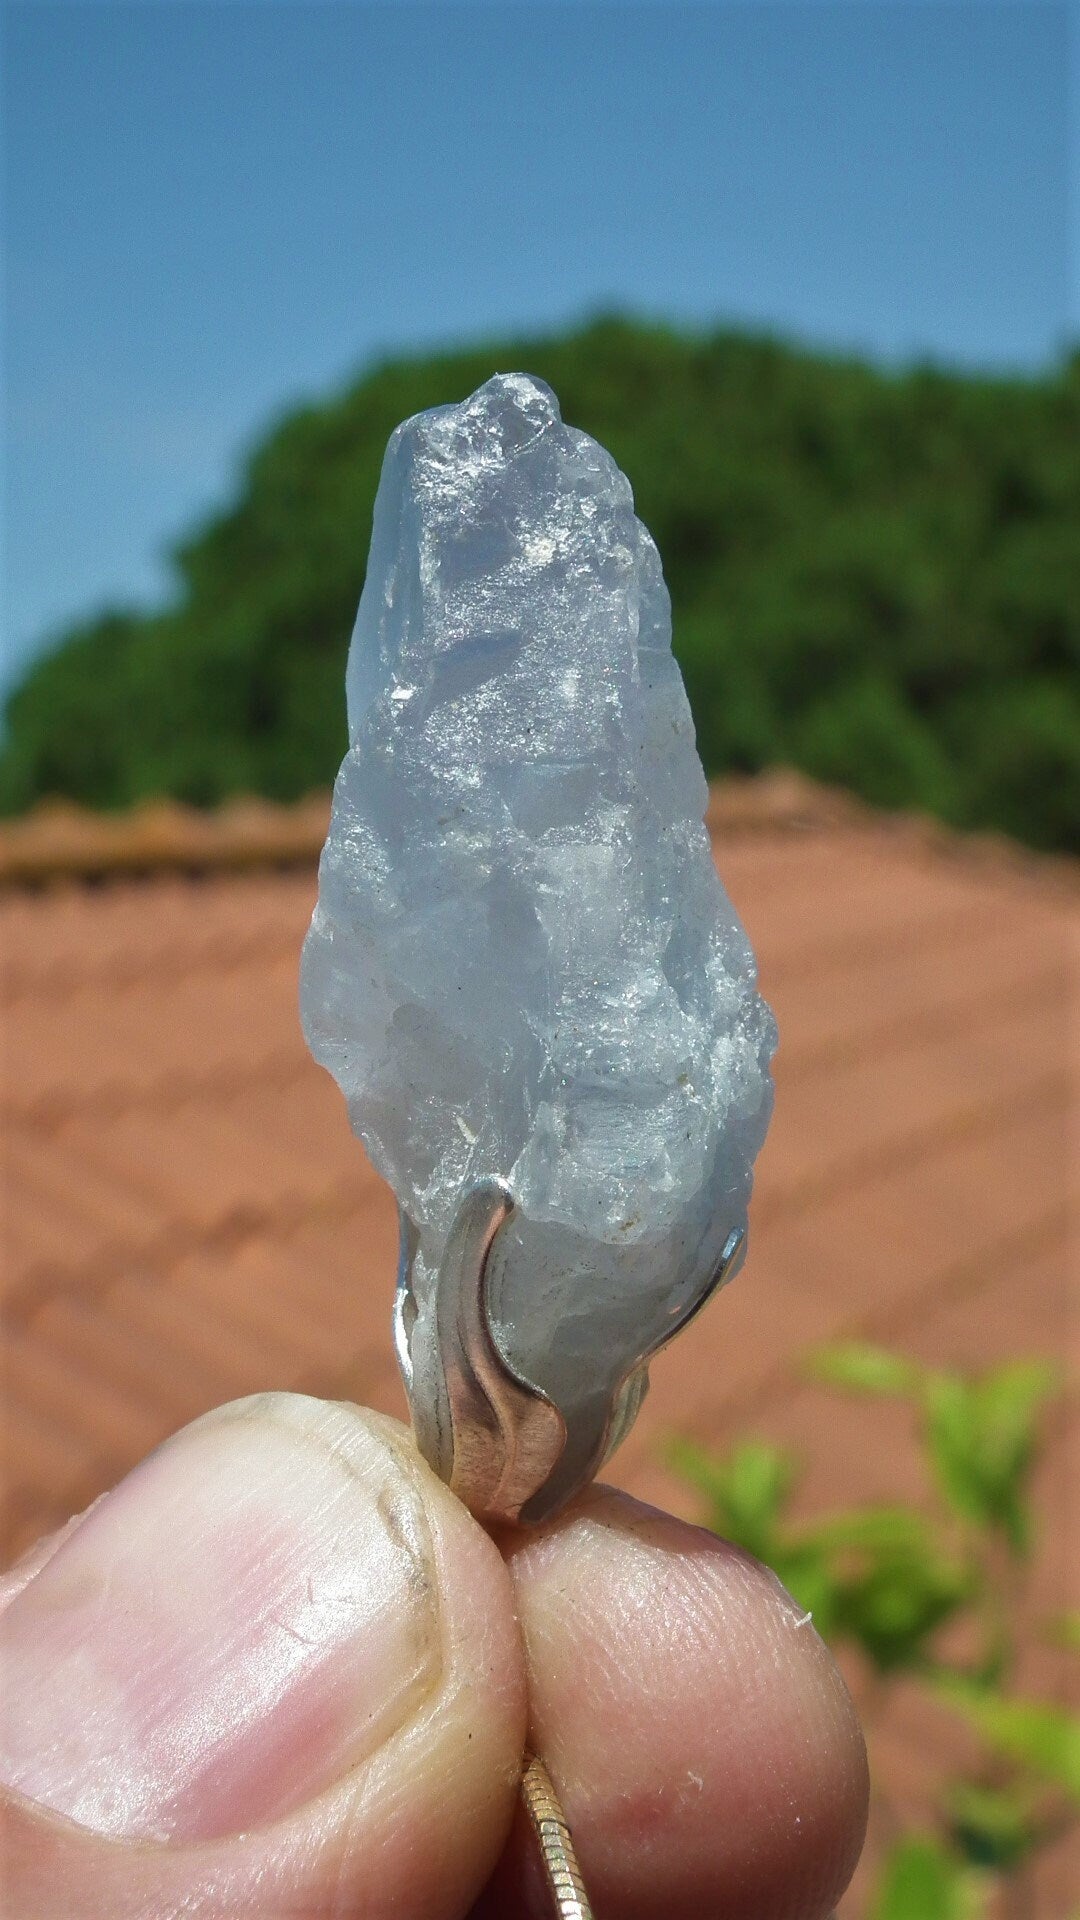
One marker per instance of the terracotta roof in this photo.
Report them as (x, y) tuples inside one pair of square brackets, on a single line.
[(188, 1217)]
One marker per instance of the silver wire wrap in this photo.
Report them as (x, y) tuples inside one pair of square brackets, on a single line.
[(492, 1435)]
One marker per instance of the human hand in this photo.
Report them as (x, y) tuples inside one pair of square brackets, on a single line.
[(280, 1671)]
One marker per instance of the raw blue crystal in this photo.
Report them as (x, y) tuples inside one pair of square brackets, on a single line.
[(522, 962)]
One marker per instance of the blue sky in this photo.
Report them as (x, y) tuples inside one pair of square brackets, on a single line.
[(212, 210)]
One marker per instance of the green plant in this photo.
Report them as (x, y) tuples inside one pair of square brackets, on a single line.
[(903, 1587), (875, 576), (922, 1881)]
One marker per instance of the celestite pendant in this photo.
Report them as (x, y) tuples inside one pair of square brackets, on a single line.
[(523, 970)]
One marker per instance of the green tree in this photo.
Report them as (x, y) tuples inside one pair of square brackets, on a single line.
[(875, 577)]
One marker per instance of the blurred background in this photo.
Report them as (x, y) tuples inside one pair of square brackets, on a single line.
[(809, 270)]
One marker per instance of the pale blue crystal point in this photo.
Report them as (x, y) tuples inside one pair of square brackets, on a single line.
[(522, 963)]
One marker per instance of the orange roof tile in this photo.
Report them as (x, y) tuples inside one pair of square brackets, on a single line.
[(188, 1218)]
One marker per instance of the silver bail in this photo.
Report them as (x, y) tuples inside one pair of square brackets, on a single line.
[(493, 1436)]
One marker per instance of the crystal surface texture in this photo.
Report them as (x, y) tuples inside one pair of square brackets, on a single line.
[(522, 963)]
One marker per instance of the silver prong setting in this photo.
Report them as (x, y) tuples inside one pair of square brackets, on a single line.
[(499, 1438)]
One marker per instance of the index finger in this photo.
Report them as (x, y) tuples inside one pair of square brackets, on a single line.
[(703, 1744)]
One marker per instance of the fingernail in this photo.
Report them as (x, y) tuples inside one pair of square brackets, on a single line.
[(248, 1615)]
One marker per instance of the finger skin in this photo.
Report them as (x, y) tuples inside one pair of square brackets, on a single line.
[(413, 1829), (702, 1742)]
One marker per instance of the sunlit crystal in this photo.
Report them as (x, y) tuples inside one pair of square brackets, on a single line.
[(522, 963)]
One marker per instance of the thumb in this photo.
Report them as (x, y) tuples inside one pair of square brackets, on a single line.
[(274, 1672)]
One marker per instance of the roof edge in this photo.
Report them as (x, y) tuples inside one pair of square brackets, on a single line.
[(59, 841)]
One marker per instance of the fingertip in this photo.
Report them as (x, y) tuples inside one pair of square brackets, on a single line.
[(704, 1744)]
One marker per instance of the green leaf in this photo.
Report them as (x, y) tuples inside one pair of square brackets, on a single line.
[(921, 1881), (888, 1530), (1044, 1738), (894, 1605), (746, 1490), (1010, 1397), (810, 1580), (992, 1827), (701, 1469), (982, 1440), (952, 1443), (861, 1368), (759, 1481)]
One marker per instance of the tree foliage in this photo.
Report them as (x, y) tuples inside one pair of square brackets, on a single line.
[(875, 577)]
